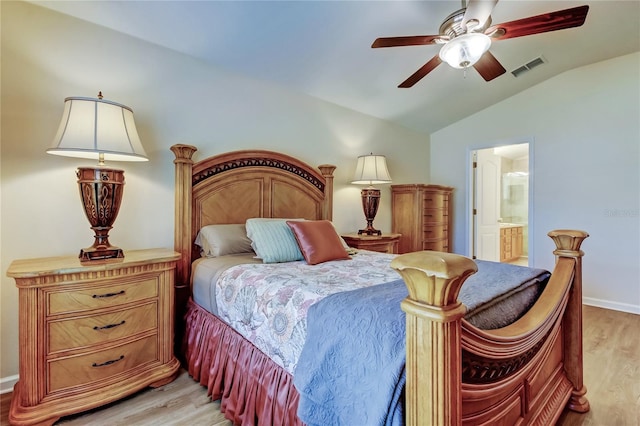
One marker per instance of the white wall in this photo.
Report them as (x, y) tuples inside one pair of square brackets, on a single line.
[(47, 56), (585, 128)]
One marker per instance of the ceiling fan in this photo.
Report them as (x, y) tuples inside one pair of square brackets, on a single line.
[(466, 36)]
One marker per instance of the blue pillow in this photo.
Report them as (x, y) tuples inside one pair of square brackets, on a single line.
[(273, 240)]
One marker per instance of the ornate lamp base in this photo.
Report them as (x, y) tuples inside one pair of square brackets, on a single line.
[(91, 253), (369, 230), (101, 192), (370, 201)]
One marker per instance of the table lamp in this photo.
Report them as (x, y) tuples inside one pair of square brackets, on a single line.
[(371, 169), (99, 129)]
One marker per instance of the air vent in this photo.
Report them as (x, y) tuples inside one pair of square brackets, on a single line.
[(528, 66)]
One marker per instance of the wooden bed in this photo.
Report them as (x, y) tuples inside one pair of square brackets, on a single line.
[(524, 373)]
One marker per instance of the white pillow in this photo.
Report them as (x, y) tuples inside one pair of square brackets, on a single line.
[(344, 243), (219, 240), (273, 240)]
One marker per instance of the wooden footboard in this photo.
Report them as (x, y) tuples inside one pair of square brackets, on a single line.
[(525, 373)]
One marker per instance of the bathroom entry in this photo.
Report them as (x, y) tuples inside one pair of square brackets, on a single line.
[(500, 204)]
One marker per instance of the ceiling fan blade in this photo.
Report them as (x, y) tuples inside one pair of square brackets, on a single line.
[(478, 10), (424, 70), (489, 67), (552, 21), (407, 41)]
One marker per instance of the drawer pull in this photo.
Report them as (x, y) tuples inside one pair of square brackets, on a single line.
[(98, 296), (104, 327), (113, 361)]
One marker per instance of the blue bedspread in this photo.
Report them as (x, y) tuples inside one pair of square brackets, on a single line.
[(358, 332), (351, 369)]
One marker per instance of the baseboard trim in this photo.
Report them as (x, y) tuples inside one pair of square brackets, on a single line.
[(615, 306), (7, 384)]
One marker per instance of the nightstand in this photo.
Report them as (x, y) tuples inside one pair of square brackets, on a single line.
[(385, 243), (93, 332)]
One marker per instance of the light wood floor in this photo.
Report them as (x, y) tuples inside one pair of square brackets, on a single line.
[(612, 376)]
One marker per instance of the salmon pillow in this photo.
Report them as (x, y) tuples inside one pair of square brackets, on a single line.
[(318, 241)]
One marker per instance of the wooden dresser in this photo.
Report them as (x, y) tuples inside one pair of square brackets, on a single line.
[(422, 214), (93, 332)]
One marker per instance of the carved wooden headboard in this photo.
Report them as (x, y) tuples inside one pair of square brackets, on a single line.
[(238, 185)]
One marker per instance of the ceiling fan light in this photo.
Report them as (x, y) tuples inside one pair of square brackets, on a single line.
[(465, 50)]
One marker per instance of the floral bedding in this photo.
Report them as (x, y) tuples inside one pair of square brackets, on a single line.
[(268, 303)]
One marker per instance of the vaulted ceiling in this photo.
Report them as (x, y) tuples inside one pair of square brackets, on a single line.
[(323, 48)]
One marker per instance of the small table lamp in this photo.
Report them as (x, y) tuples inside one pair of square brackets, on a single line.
[(371, 169), (102, 130)]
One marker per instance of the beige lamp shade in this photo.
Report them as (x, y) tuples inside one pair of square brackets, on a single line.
[(93, 127), (371, 169)]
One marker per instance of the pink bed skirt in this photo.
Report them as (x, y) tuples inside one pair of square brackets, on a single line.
[(252, 389)]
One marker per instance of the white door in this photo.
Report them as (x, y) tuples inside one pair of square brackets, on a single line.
[(488, 205)]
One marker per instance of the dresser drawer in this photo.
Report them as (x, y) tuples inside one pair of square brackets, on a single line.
[(431, 216), (91, 329), (83, 369), (441, 245), (434, 201), (434, 232), (94, 297)]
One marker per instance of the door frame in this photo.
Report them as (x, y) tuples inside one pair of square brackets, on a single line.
[(470, 201)]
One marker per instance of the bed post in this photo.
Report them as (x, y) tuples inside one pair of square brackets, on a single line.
[(182, 227), (182, 236), (434, 315), (327, 207), (568, 244)]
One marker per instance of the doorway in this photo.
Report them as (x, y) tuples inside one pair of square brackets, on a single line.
[(500, 203)]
